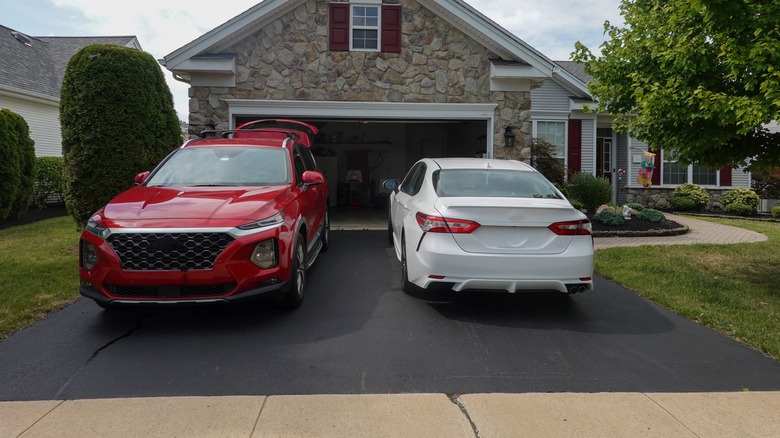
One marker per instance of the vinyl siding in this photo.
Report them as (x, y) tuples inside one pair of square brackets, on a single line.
[(550, 97), (740, 178), (44, 122)]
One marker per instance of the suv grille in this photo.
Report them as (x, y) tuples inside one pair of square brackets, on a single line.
[(168, 251)]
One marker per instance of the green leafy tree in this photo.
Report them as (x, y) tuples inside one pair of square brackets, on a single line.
[(700, 77), (117, 119), (17, 165)]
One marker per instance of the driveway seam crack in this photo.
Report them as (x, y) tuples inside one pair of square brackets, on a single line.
[(671, 414), (455, 399), (130, 332)]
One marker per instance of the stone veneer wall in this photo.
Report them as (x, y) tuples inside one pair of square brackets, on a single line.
[(659, 197), (289, 60)]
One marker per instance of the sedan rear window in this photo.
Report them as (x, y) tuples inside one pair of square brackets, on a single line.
[(223, 166), (493, 183)]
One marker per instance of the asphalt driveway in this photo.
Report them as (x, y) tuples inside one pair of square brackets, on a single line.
[(357, 333)]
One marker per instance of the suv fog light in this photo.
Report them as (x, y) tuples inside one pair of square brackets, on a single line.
[(264, 254), (88, 256)]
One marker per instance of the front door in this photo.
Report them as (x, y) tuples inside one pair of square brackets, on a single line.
[(604, 158)]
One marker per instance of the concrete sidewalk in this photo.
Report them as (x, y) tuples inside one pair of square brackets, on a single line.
[(739, 414)]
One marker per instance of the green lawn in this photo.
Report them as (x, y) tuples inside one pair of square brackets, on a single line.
[(38, 271), (731, 288)]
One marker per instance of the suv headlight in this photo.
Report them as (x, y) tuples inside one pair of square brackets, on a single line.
[(268, 222), (264, 254), (97, 229)]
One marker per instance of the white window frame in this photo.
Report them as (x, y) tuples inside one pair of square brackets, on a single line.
[(688, 172), (377, 28), (565, 136)]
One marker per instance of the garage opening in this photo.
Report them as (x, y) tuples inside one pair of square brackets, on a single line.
[(358, 155)]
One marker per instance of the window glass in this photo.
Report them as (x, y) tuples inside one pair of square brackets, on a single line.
[(554, 133), (365, 27), (492, 183), (673, 172), (704, 176), (223, 166), (413, 180)]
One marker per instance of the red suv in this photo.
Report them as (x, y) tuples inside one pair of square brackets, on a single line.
[(230, 216)]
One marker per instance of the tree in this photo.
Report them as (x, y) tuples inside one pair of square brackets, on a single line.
[(699, 77), (17, 165), (117, 119)]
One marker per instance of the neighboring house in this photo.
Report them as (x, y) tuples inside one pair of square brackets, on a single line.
[(388, 82), (592, 146), (31, 73)]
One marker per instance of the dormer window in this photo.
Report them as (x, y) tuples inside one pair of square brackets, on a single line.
[(365, 26)]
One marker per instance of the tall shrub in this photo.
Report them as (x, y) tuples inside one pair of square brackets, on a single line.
[(544, 160), (589, 189), (117, 119), (17, 165)]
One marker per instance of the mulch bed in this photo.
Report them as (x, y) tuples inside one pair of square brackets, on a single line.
[(637, 227)]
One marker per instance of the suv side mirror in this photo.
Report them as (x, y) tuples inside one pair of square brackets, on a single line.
[(141, 177), (312, 177)]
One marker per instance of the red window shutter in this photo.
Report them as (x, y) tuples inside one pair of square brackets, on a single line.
[(657, 168), (575, 146), (339, 26), (725, 176), (391, 28)]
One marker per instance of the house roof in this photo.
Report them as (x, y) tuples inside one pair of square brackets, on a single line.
[(36, 65), (577, 70), (457, 12)]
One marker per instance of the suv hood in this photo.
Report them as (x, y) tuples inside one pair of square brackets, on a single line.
[(196, 203)]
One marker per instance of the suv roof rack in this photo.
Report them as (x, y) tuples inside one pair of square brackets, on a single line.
[(230, 133)]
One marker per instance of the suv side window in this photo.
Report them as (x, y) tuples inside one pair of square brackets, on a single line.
[(299, 164), (308, 158), (413, 182)]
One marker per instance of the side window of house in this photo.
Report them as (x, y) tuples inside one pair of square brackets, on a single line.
[(554, 133), (413, 181), (365, 26), (676, 173)]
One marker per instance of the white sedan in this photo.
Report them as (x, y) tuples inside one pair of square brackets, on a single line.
[(487, 224)]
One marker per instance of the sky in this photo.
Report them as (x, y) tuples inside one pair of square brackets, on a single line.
[(163, 26)]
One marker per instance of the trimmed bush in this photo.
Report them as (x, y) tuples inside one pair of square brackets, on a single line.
[(48, 181), (117, 120), (544, 160), (577, 204), (776, 212), (694, 192), (17, 165), (682, 204), (635, 206), (741, 196), (609, 217), (589, 189), (739, 209), (651, 215)]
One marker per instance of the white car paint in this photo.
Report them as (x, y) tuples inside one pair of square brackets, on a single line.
[(512, 247)]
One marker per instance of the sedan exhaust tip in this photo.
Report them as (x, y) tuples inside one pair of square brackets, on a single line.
[(576, 288)]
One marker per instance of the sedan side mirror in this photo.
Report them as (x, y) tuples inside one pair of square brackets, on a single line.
[(390, 184)]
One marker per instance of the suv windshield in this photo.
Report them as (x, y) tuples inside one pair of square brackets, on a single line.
[(492, 183), (223, 166)]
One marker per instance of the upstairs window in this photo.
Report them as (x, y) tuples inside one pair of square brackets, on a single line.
[(365, 27)]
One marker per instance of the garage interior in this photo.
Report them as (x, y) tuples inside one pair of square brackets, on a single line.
[(358, 155)]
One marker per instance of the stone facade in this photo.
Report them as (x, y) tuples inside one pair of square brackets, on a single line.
[(289, 59), (658, 197)]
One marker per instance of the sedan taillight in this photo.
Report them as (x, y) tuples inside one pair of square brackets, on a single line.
[(438, 224), (571, 228)]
